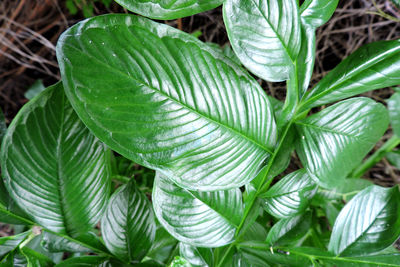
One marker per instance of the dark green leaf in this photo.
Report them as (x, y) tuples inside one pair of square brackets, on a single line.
[(128, 226), (255, 232), (394, 158), (370, 222), (197, 256), (317, 12), (265, 35), (56, 171), (290, 196), (168, 9), (373, 66), (165, 100), (8, 216), (286, 231), (36, 88), (205, 219), (9, 243), (394, 112), (163, 245), (335, 140), (83, 261), (54, 243)]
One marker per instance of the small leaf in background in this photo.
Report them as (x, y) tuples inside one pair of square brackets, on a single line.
[(286, 231), (335, 140), (35, 89), (317, 12), (179, 262), (54, 168), (393, 104), (204, 219), (394, 158), (163, 246), (184, 108), (373, 66), (197, 256), (369, 222), (9, 243), (3, 126), (128, 227), (290, 196), (267, 41), (168, 9), (396, 2)]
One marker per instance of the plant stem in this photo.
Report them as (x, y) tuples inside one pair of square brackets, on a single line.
[(376, 157)]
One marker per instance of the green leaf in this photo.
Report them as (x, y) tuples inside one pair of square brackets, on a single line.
[(373, 66), (36, 88), (168, 9), (201, 219), (265, 35), (394, 158), (335, 140), (370, 222), (9, 243), (179, 262), (317, 12), (128, 226), (163, 245), (345, 189), (290, 196), (286, 231), (393, 104), (8, 216), (56, 171), (396, 2), (167, 101), (54, 243), (197, 256), (36, 259), (83, 261)]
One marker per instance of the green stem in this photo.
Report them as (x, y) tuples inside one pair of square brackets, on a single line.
[(376, 157), (121, 178)]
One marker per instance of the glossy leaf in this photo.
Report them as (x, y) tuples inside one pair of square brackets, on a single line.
[(168, 9), (202, 219), (286, 231), (290, 195), (335, 140), (9, 243), (165, 100), (128, 226), (317, 12), (373, 66), (345, 189), (393, 104), (265, 35), (54, 243), (56, 171), (197, 256), (370, 222)]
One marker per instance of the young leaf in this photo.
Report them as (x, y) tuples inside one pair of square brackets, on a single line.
[(373, 66), (265, 35), (394, 112), (56, 171), (316, 13), (128, 226), (165, 100), (9, 243), (369, 222), (179, 262), (36, 88), (290, 196), (289, 230), (197, 256), (202, 219), (394, 158), (335, 140), (168, 9)]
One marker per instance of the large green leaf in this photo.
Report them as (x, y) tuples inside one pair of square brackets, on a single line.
[(290, 196), (56, 171), (286, 231), (394, 112), (128, 226), (197, 256), (369, 222), (168, 9), (165, 100), (335, 140), (203, 219), (373, 66), (265, 35), (317, 12)]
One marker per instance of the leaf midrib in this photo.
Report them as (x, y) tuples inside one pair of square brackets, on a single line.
[(269, 150)]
